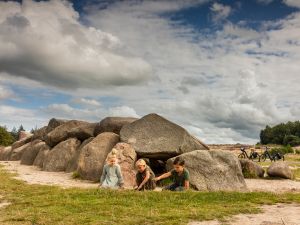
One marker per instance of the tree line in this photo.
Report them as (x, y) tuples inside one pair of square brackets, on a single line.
[(283, 134), (9, 137)]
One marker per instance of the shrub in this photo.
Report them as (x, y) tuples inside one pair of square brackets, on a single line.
[(283, 150), (6, 138)]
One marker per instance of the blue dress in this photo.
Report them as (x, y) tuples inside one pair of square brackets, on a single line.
[(111, 176)]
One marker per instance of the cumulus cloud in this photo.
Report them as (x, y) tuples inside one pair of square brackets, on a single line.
[(223, 87), (265, 2), (293, 3), (11, 116), (44, 41), (123, 111), (220, 11), (5, 93), (86, 102)]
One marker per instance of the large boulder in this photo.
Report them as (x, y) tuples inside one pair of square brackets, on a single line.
[(42, 154), (155, 137), (213, 170), (17, 153), (5, 153), (61, 133), (58, 157), (30, 154), (93, 155), (82, 132), (251, 169), (113, 124), (126, 159), (23, 134), (21, 142), (280, 169), (53, 123), (40, 134), (73, 163)]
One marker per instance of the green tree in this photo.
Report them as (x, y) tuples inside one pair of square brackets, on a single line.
[(14, 133), (21, 128), (6, 138)]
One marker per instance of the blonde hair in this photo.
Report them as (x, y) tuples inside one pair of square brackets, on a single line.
[(112, 154), (140, 162)]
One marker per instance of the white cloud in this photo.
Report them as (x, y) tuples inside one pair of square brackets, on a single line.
[(65, 111), (5, 93), (44, 41), (265, 2), (293, 3), (222, 87), (11, 116), (220, 11), (86, 102), (125, 111)]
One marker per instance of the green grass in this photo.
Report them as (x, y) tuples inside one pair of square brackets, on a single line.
[(37, 204)]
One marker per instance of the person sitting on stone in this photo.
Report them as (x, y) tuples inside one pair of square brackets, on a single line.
[(112, 176), (144, 176), (179, 175)]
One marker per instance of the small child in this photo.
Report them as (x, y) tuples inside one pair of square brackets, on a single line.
[(144, 176), (112, 176), (180, 176)]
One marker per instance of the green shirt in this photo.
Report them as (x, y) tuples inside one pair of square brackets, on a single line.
[(180, 179)]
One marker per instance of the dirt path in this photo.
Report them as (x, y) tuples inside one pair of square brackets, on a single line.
[(33, 175), (280, 214)]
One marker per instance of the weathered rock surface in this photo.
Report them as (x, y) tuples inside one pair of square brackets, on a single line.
[(40, 134), (30, 153), (42, 154), (73, 163), (213, 170), (24, 134), (53, 123), (126, 159), (61, 133), (251, 169), (58, 158), (21, 142), (93, 155), (113, 124), (155, 137), (82, 132), (5, 153), (280, 169), (17, 153)]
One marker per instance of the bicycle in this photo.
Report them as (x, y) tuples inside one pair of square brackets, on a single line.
[(253, 155), (273, 157)]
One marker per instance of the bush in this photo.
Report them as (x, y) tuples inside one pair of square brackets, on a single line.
[(291, 140), (6, 138), (284, 150)]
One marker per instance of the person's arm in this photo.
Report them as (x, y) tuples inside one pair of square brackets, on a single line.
[(186, 184), (145, 180), (103, 175), (163, 176), (120, 177)]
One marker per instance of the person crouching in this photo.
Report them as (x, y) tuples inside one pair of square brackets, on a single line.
[(179, 175), (144, 176)]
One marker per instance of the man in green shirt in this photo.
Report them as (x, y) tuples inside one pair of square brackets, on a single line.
[(179, 175)]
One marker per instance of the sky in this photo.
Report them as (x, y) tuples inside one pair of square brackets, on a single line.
[(221, 69)]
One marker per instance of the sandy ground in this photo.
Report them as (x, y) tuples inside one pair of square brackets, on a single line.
[(3, 203), (280, 214), (33, 175)]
